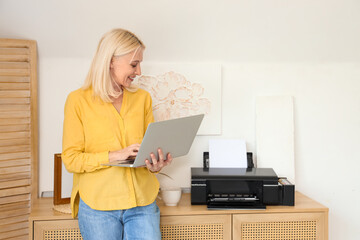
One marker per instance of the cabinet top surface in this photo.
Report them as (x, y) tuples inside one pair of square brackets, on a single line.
[(42, 209)]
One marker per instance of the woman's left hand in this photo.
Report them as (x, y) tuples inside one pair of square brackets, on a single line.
[(158, 164)]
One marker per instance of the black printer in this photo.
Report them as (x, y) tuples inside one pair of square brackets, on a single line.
[(250, 188)]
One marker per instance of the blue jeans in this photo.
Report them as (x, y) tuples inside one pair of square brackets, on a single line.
[(134, 223)]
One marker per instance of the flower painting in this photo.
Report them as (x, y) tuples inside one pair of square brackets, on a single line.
[(180, 90)]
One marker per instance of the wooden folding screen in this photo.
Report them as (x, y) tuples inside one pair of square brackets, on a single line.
[(18, 136)]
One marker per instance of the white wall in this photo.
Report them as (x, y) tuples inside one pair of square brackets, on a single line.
[(307, 49)]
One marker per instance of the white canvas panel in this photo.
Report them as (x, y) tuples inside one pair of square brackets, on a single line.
[(275, 134)]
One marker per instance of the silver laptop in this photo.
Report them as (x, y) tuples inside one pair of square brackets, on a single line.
[(173, 136)]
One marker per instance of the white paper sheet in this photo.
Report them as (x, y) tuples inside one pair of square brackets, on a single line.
[(227, 153)]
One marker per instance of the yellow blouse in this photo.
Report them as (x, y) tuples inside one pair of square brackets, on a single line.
[(92, 128)]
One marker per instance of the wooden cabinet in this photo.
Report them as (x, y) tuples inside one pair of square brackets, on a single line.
[(306, 220)]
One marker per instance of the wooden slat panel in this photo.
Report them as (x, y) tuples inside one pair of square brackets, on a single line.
[(14, 176), (15, 191), (18, 107), (15, 212), (14, 65), (9, 220), (20, 232), (14, 121), (19, 155), (14, 86), (14, 101), (15, 43), (13, 226), (15, 162), (14, 94), (8, 170), (14, 142), (14, 199), (18, 136), (23, 237), (15, 114), (18, 208), (13, 206), (14, 79), (14, 128), (14, 149), (15, 183), (14, 72), (14, 51), (14, 58), (10, 135)]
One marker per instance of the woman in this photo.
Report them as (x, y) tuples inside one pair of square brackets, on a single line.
[(105, 121)]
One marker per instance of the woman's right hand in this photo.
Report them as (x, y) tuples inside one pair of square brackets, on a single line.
[(124, 154)]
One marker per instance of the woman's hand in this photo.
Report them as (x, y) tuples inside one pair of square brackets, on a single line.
[(124, 154), (158, 164)]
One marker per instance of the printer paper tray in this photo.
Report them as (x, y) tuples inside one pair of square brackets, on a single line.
[(235, 205), (214, 207)]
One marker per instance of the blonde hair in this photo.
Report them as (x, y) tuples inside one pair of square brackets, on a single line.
[(117, 42)]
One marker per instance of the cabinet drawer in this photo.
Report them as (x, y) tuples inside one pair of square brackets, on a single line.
[(203, 227), (310, 226), (56, 230)]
